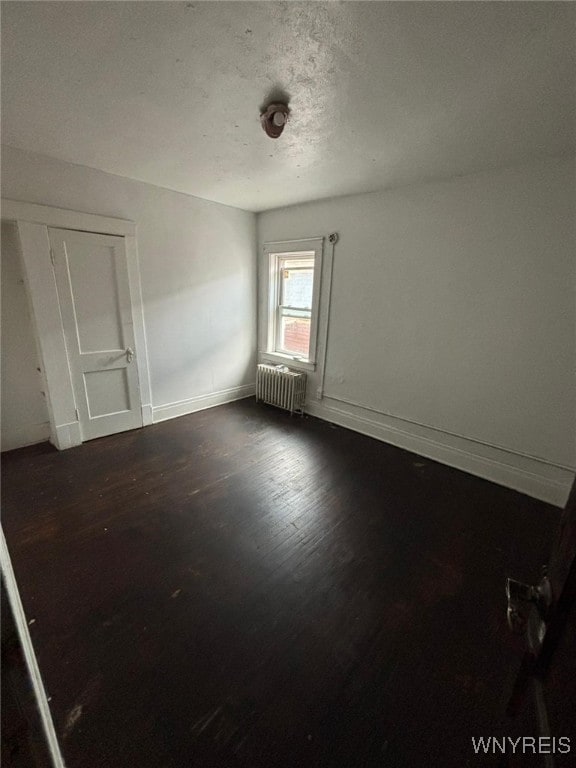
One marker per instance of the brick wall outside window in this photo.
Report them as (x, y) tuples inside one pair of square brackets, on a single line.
[(297, 336)]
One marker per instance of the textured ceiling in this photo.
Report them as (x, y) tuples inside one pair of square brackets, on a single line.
[(381, 93)]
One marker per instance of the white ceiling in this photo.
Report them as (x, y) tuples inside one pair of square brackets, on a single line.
[(381, 93)]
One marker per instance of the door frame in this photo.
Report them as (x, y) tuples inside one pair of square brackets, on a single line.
[(32, 223)]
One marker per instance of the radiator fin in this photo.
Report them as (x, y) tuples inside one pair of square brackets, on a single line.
[(282, 388)]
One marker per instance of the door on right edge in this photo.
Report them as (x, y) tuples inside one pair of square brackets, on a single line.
[(544, 615)]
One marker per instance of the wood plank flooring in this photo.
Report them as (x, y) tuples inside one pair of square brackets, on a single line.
[(239, 588)]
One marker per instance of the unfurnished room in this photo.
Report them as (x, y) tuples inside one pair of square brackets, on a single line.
[(288, 403)]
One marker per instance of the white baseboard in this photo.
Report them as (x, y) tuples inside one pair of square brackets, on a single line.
[(539, 479), (183, 407), (26, 435)]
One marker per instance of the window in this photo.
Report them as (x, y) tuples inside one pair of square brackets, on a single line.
[(293, 294), (296, 276)]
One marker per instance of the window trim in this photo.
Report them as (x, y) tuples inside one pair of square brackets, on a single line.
[(273, 252)]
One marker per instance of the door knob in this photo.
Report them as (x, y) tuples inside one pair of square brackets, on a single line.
[(521, 597), (129, 354)]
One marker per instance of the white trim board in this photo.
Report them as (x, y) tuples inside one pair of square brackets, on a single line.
[(141, 342), (147, 415), (200, 403), (47, 325), (65, 219), (29, 655), (547, 482)]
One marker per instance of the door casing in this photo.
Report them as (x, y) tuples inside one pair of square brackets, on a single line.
[(32, 222)]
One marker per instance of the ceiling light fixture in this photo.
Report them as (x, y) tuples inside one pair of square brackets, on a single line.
[(274, 118)]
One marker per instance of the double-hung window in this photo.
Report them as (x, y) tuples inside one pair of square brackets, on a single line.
[(291, 331), (294, 308)]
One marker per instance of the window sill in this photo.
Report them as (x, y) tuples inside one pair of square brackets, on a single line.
[(275, 358)]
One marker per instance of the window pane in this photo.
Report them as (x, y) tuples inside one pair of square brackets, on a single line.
[(296, 287), (295, 335)]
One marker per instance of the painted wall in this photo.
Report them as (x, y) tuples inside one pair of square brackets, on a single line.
[(453, 315), (198, 275), (24, 412)]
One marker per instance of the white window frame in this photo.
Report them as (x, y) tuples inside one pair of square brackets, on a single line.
[(274, 253)]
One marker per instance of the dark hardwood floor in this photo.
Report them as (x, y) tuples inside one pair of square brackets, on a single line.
[(22, 741), (239, 588)]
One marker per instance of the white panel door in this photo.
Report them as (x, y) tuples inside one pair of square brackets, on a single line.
[(94, 292)]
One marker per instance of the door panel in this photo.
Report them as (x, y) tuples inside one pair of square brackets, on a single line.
[(107, 391), (97, 311), (93, 289)]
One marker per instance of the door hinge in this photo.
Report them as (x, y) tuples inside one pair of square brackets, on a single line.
[(52, 257), (77, 415)]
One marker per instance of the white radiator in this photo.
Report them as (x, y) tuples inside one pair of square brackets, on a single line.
[(281, 387)]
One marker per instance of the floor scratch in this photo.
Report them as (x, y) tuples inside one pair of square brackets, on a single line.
[(205, 721), (73, 716)]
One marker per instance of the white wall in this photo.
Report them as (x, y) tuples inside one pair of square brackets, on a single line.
[(24, 412), (453, 319), (198, 274)]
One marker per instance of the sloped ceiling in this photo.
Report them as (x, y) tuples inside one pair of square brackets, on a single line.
[(381, 93)]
